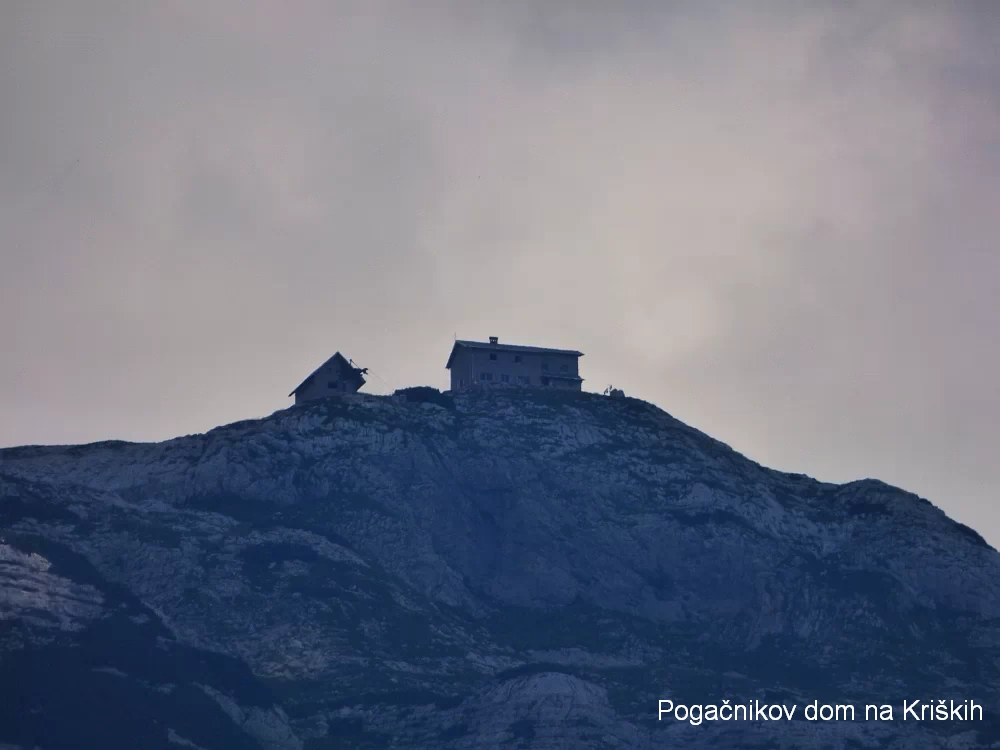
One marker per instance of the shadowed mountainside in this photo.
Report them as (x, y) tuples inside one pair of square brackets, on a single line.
[(521, 569)]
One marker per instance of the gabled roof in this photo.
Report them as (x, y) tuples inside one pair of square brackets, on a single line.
[(344, 365), (507, 348)]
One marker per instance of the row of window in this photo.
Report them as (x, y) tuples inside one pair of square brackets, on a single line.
[(505, 378), (517, 360)]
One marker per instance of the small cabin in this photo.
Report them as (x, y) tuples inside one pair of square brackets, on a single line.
[(482, 363), (337, 375)]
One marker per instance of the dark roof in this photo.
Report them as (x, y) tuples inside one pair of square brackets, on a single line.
[(507, 348), (345, 364)]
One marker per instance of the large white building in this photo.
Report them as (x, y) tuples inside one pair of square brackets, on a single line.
[(493, 363)]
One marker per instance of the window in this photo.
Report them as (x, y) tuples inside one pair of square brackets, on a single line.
[(493, 356), (482, 376), (332, 385), (523, 379), (545, 381), (545, 365), (517, 359), (461, 381), (489, 376), (504, 377)]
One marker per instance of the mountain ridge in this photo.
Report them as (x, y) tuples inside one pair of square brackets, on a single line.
[(343, 561)]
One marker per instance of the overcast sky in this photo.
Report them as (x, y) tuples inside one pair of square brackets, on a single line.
[(776, 221)]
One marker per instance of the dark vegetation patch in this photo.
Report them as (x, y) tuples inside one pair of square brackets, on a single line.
[(329, 510), (151, 531), (27, 503), (27, 451), (223, 430), (52, 697), (577, 625), (455, 732), (863, 509), (349, 408), (144, 650), (80, 450), (522, 731), (715, 517), (233, 505), (345, 503), (663, 585), (872, 498), (972, 534), (64, 696), (544, 397), (36, 451), (319, 517)]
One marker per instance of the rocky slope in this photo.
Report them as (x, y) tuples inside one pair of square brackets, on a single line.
[(499, 569)]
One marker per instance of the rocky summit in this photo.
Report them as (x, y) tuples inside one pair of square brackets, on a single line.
[(494, 569)]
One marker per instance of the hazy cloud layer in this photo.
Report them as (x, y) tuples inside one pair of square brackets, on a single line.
[(777, 222)]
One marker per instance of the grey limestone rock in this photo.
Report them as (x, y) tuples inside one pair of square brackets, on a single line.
[(489, 569)]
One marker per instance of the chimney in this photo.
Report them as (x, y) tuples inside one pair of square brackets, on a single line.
[(493, 339)]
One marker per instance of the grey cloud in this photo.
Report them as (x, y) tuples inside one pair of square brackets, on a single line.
[(776, 221)]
